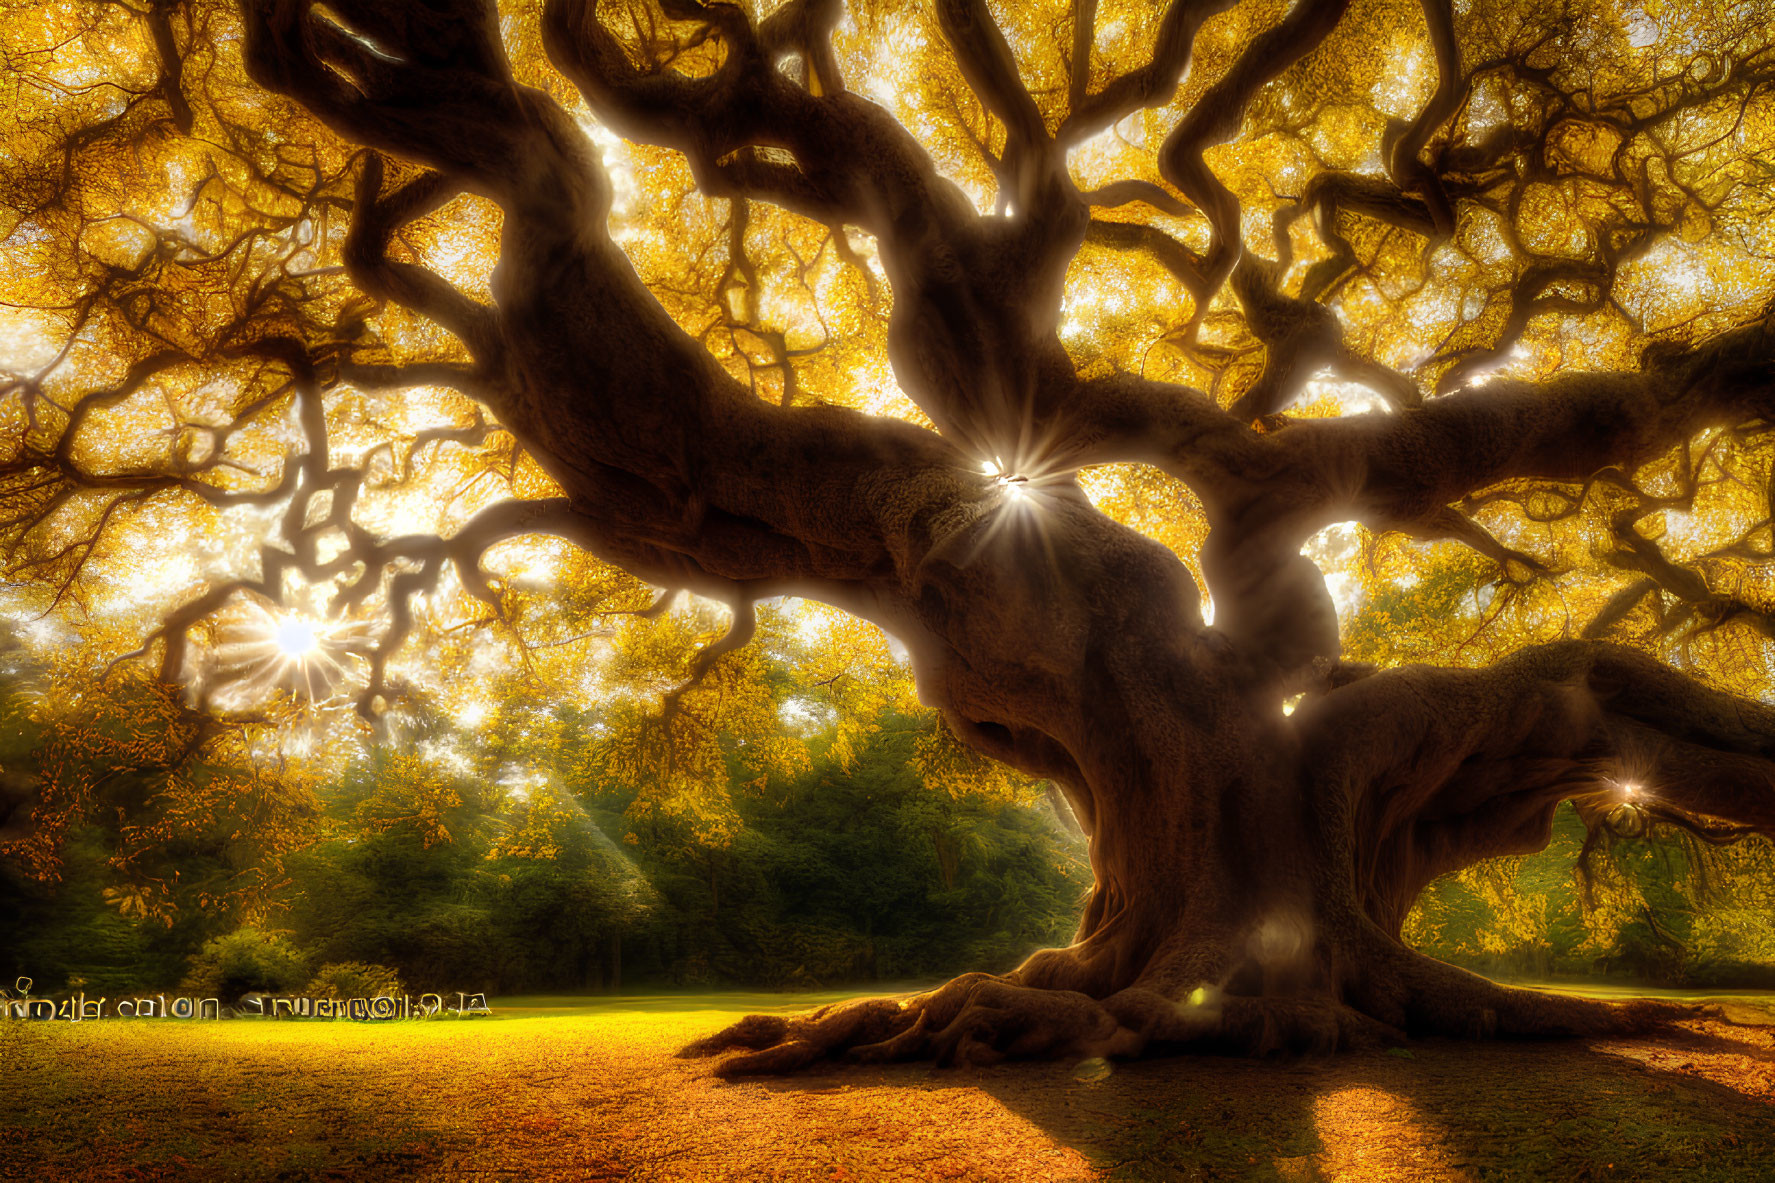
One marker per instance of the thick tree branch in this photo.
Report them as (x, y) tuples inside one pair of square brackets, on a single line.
[(1433, 770), (1216, 117), (375, 220), (1402, 471), (1084, 36), (986, 62), (1404, 163), (1565, 429), (1123, 192), (973, 335), (1266, 494), (421, 81), (1184, 264), (805, 27), (1151, 85)]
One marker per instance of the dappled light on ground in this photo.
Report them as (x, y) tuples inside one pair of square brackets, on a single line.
[(1369, 1132), (575, 1089), (1741, 1058)]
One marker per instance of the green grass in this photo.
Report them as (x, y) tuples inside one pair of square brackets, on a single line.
[(590, 1088)]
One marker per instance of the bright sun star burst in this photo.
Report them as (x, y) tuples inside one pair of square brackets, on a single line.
[(296, 637), (1027, 492), (261, 649), (1010, 484)]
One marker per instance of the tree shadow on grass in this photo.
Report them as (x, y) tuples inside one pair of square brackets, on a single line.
[(1725, 1041), (1439, 1110)]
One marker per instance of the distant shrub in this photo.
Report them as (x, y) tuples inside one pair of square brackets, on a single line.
[(245, 961), (355, 979)]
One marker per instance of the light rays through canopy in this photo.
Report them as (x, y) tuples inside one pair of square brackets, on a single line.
[(261, 650)]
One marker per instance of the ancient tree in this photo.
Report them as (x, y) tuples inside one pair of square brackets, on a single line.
[(1533, 239)]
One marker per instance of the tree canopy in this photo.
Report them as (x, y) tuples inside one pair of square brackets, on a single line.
[(1168, 381)]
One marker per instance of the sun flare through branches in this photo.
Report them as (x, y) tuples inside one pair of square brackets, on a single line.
[(260, 651)]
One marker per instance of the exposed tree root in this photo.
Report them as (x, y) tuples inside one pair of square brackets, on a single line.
[(1429, 997), (982, 1019)]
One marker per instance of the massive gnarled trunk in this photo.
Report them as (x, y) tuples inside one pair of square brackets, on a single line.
[(1253, 867)]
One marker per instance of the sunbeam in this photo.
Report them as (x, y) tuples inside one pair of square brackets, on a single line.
[(261, 650)]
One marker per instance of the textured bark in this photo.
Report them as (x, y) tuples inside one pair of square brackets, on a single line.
[(1252, 868)]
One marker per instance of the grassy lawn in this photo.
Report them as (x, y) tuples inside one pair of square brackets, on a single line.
[(575, 1088)]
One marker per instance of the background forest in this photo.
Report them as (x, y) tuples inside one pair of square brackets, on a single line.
[(515, 855), (421, 856)]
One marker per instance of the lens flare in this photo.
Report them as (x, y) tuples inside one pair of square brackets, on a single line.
[(1020, 499), (297, 638), (1093, 1071), (260, 649)]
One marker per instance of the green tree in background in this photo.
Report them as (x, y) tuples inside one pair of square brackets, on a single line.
[(530, 856), (1662, 907)]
